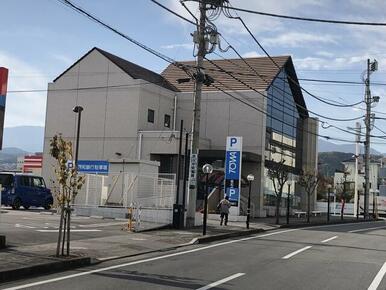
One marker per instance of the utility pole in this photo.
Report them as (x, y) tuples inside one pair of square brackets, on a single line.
[(371, 67), (206, 38), (196, 119), (357, 140)]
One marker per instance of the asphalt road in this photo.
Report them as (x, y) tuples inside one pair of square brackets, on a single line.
[(350, 256), (34, 227)]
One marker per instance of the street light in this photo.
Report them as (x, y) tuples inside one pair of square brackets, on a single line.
[(78, 110), (289, 182), (207, 169), (329, 186), (250, 178)]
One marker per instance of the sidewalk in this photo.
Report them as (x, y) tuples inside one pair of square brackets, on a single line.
[(20, 261)]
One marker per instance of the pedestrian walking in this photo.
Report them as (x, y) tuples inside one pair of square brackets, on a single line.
[(224, 206)]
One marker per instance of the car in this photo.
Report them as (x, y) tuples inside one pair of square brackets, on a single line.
[(21, 189)]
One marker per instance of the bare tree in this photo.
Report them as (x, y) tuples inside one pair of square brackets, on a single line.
[(309, 180), (68, 184), (344, 192), (279, 174)]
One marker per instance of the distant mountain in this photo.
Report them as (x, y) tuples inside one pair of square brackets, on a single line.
[(27, 138), (329, 162), (8, 158), (326, 146)]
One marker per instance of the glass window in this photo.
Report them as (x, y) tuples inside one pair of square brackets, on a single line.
[(282, 119), (150, 116), (6, 180), (167, 121), (38, 182)]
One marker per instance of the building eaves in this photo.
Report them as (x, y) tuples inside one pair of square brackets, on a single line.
[(133, 70)]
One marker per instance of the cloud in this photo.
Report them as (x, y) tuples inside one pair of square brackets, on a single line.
[(178, 45), (63, 58), (298, 39), (324, 53), (251, 54), (255, 23), (24, 108), (317, 63)]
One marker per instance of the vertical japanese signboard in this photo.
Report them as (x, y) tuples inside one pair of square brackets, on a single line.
[(193, 170), (233, 169), (3, 94)]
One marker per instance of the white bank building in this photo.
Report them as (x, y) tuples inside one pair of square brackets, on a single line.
[(129, 138)]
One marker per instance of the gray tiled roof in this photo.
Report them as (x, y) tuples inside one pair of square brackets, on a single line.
[(262, 65)]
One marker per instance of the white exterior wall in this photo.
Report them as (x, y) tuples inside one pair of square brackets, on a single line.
[(350, 169), (223, 116), (111, 117)]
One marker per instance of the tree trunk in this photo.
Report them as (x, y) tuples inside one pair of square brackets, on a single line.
[(278, 201), (308, 207), (342, 209), (64, 230), (68, 228), (60, 232)]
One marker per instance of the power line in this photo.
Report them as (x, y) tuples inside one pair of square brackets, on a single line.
[(171, 11), (339, 82), (294, 82), (83, 12), (250, 87), (170, 60), (329, 21), (85, 88), (273, 117)]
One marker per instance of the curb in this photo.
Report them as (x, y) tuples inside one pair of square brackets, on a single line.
[(46, 268), (195, 241), (208, 239), (2, 242)]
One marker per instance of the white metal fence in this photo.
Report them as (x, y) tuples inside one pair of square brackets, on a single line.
[(149, 198)]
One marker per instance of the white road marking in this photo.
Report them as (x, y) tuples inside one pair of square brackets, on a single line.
[(107, 258), (138, 239), (222, 281), (144, 261), (330, 239), (296, 252), (378, 278), (366, 229), (339, 225), (102, 225), (73, 231), (24, 226)]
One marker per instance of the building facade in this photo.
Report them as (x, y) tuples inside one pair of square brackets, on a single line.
[(131, 113)]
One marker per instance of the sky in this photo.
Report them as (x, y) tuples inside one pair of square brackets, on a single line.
[(39, 39)]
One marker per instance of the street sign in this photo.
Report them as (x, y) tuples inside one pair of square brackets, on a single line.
[(233, 169), (193, 170), (93, 166)]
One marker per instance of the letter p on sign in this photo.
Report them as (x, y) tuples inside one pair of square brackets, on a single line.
[(234, 143)]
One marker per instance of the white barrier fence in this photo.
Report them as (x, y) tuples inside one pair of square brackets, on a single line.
[(111, 196)]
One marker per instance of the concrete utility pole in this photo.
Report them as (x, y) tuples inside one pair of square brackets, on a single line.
[(196, 119), (206, 38), (357, 140), (371, 67)]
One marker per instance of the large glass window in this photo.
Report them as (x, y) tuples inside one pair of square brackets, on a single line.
[(282, 121)]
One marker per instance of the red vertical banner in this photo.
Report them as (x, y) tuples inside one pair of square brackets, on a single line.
[(3, 94), (3, 81)]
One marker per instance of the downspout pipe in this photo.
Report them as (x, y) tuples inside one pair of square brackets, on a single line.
[(140, 135)]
